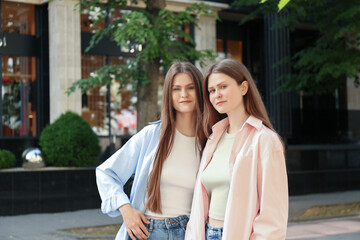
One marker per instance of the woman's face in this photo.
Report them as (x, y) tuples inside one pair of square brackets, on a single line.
[(183, 93), (225, 94)]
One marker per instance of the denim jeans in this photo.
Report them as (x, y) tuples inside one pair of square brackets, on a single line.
[(167, 229), (213, 233)]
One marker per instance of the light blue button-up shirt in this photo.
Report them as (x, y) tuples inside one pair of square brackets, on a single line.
[(135, 157)]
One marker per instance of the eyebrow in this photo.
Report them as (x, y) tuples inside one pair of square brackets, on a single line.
[(185, 85), (222, 82)]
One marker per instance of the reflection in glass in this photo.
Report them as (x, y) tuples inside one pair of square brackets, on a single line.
[(18, 18), (18, 96), (233, 49), (123, 107), (94, 100), (94, 104)]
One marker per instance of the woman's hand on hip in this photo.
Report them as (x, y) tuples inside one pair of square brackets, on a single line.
[(134, 221)]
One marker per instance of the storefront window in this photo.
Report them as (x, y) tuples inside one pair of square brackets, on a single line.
[(18, 72), (229, 42), (18, 96), (94, 103), (94, 100), (229, 49), (18, 18), (123, 109)]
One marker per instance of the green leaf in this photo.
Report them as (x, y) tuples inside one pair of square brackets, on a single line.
[(282, 4)]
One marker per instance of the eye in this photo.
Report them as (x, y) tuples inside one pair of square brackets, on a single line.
[(223, 86), (176, 89), (191, 87), (211, 91)]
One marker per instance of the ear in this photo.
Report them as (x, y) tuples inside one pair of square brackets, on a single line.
[(244, 87)]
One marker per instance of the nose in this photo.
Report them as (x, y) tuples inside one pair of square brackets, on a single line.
[(217, 94), (184, 93)]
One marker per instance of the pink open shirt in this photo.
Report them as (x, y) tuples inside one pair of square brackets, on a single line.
[(257, 205)]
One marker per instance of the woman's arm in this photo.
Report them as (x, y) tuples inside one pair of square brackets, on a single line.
[(271, 221), (112, 175)]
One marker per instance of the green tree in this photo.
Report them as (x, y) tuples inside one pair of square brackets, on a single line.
[(335, 56), (281, 5), (159, 31)]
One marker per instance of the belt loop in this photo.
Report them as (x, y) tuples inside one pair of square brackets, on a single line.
[(183, 221), (167, 222), (151, 225)]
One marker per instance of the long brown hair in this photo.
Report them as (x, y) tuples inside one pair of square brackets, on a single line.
[(252, 99), (168, 118)]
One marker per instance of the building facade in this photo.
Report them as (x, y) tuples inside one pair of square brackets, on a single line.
[(42, 52)]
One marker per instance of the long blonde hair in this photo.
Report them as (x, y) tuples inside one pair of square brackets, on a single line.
[(168, 118), (252, 99)]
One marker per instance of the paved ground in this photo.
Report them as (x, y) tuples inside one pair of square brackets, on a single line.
[(298, 204), (339, 229), (46, 226)]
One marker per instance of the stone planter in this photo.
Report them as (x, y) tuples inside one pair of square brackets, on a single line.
[(50, 189)]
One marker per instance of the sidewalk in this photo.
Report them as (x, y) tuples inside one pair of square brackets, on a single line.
[(329, 229), (298, 204), (347, 228), (46, 226)]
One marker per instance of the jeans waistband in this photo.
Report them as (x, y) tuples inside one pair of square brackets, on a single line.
[(168, 223), (214, 230)]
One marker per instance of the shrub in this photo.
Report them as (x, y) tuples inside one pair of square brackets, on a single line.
[(69, 141), (7, 159)]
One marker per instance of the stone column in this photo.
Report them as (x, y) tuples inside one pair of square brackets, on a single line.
[(65, 56), (205, 33), (205, 37)]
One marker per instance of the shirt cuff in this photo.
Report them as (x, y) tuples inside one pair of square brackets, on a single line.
[(111, 205)]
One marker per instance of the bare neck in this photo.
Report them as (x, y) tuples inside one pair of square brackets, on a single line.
[(185, 123), (237, 120)]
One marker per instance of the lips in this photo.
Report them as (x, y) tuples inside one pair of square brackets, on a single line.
[(185, 101), (220, 103)]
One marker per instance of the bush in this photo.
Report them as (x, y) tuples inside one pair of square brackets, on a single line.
[(7, 159), (69, 141)]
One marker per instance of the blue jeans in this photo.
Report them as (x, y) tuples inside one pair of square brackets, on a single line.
[(167, 229), (213, 233)]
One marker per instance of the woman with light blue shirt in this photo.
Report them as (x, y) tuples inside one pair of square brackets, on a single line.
[(164, 156)]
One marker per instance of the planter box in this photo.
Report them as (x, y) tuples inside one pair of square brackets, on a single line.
[(323, 168), (49, 189)]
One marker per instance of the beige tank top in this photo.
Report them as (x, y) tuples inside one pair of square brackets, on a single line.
[(178, 178), (216, 179)]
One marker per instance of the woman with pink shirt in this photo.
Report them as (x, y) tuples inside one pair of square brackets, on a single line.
[(241, 189)]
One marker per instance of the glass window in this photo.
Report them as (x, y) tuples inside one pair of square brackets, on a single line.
[(234, 50), (18, 18), (229, 42), (123, 108), (94, 103), (18, 96), (87, 23), (229, 49), (18, 87)]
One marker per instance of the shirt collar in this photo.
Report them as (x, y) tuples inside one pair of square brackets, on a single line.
[(255, 122), (221, 125), (224, 123)]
